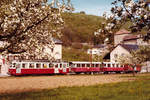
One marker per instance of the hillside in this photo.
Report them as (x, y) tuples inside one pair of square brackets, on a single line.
[(79, 27)]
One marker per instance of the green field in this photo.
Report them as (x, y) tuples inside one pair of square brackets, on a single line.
[(135, 90)]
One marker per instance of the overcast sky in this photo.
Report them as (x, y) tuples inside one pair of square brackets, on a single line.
[(94, 7)]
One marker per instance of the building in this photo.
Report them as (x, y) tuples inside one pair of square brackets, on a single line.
[(122, 50), (55, 52), (130, 39), (119, 36), (98, 50), (125, 37)]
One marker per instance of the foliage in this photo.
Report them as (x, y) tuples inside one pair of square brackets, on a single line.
[(143, 53), (97, 58), (80, 28), (28, 25), (77, 45), (137, 57), (136, 90), (72, 54)]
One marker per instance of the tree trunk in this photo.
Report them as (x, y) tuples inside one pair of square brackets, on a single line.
[(133, 70)]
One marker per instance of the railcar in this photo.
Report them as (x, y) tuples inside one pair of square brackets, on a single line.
[(105, 67), (92, 67), (84, 67), (77, 67), (112, 67), (129, 69), (38, 67)]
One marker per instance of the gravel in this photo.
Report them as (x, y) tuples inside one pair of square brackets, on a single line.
[(34, 83)]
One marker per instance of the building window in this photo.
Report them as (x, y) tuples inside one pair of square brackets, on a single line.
[(122, 54), (115, 55)]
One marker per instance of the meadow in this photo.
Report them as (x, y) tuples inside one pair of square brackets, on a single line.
[(131, 90)]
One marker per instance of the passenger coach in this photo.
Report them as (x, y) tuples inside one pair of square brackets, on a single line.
[(38, 67)]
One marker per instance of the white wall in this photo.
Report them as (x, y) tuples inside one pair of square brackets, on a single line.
[(119, 51), (4, 66), (56, 52), (118, 38), (95, 51)]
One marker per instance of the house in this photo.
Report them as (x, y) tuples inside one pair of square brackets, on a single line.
[(130, 39), (119, 36), (55, 52), (125, 37), (98, 49), (122, 50)]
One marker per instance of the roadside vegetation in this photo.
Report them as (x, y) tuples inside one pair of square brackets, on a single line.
[(74, 54), (135, 90)]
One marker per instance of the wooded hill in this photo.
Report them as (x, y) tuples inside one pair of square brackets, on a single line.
[(80, 27)]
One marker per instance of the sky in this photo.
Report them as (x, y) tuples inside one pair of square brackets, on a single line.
[(92, 7)]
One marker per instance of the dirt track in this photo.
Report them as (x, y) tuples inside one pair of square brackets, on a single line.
[(31, 83)]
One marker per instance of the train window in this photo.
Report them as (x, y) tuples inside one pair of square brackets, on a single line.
[(117, 65), (101, 65), (24, 65), (93, 65), (73, 65), (38, 65), (31, 65), (78, 65), (60, 65), (14, 65), (88, 65), (113, 65), (44, 65), (104, 65), (109, 65), (56, 66), (51, 65), (97, 65), (83, 65)]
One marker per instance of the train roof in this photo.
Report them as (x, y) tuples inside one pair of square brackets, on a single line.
[(84, 62)]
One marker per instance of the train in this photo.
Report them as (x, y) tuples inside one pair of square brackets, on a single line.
[(18, 68)]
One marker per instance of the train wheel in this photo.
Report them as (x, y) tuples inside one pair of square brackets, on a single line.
[(105, 72), (78, 72), (118, 72)]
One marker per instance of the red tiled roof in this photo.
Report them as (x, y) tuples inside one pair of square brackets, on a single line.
[(148, 1), (131, 37), (122, 31)]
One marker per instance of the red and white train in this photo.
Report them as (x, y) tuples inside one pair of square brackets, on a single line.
[(43, 67)]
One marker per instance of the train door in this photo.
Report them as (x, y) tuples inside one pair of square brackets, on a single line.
[(64, 67), (18, 68), (56, 68), (0, 68)]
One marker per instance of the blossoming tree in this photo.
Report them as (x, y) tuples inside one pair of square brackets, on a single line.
[(135, 11), (27, 26)]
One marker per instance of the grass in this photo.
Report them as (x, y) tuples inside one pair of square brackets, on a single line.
[(136, 90)]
